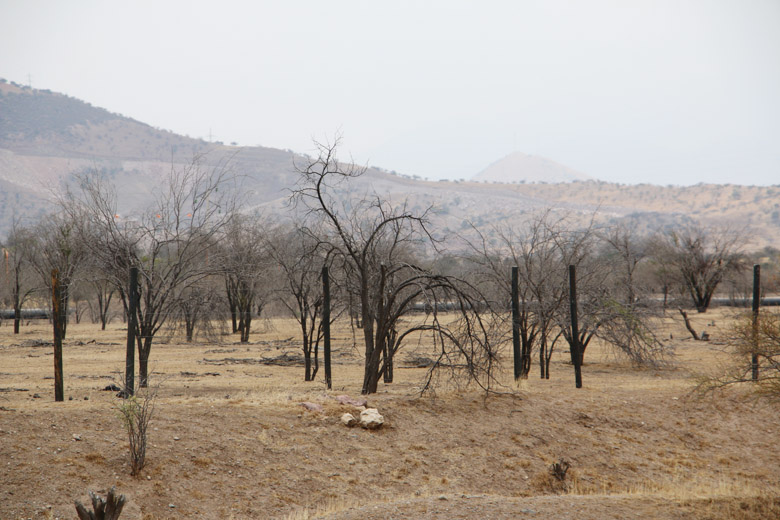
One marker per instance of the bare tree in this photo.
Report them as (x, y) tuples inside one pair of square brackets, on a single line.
[(300, 255), (197, 306), (376, 242), (103, 291), (626, 251), (542, 250), (169, 243), (492, 265), (17, 274), (56, 245), (246, 268), (537, 251), (702, 257), (747, 340)]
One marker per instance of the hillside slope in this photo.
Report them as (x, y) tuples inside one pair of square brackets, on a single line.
[(46, 137)]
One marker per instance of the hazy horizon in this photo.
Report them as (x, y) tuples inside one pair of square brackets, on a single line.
[(657, 92)]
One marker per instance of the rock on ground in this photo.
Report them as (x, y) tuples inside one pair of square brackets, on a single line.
[(371, 419)]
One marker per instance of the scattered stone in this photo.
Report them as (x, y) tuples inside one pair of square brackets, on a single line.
[(348, 420), (112, 388), (313, 407), (176, 438), (705, 336), (36, 396), (76, 437), (70, 398), (86, 398), (172, 506), (345, 399), (371, 419)]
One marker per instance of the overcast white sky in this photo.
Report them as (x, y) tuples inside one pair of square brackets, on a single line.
[(633, 91)]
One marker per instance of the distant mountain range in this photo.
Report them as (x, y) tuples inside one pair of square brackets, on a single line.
[(46, 136), (519, 167)]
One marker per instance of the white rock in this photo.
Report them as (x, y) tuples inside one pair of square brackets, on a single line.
[(348, 419), (371, 419)]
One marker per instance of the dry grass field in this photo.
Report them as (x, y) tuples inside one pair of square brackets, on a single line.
[(230, 438)]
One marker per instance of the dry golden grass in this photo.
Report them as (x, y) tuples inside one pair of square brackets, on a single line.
[(230, 439)]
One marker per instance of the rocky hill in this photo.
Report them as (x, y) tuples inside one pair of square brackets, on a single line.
[(45, 137), (521, 168)]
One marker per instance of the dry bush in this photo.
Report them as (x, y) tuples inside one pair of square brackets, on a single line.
[(630, 330), (746, 341), (136, 413), (554, 479)]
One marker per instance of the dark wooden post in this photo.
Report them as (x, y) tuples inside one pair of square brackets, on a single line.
[(132, 327), (326, 323), (57, 315), (576, 353), (516, 325), (756, 302)]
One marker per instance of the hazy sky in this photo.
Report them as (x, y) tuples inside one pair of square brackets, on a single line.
[(630, 91)]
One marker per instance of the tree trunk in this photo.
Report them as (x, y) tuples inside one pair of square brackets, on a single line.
[(143, 362), (369, 369), (307, 365), (526, 343), (17, 316), (246, 320), (389, 351), (189, 327), (232, 304), (306, 343), (387, 369), (103, 305), (370, 382), (373, 366), (688, 325)]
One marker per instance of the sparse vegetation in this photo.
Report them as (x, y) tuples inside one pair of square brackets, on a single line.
[(746, 340), (136, 411), (430, 319)]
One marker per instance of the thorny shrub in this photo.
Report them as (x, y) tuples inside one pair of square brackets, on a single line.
[(136, 413)]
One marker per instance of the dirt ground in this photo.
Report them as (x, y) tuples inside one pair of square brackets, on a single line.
[(230, 439)]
